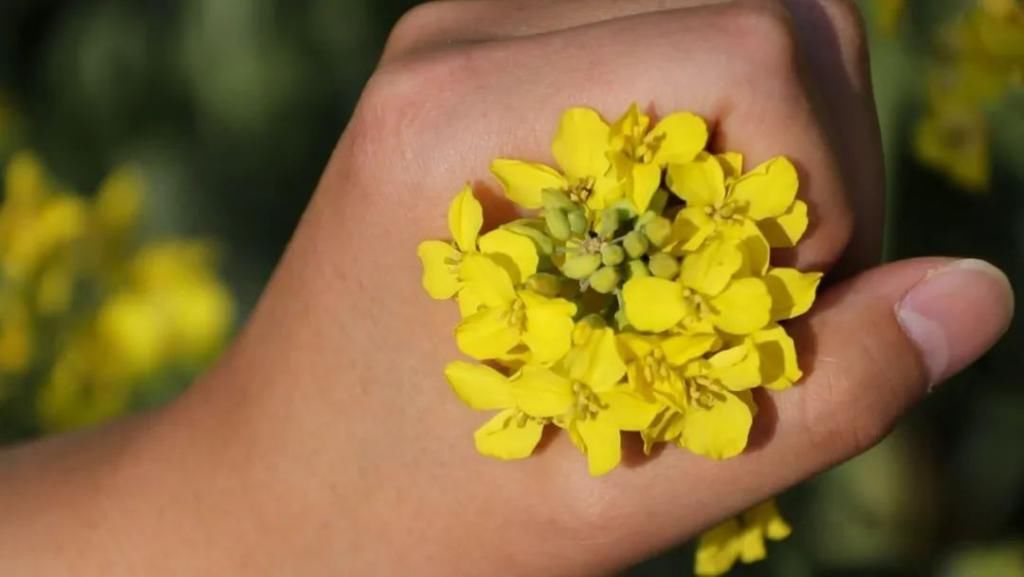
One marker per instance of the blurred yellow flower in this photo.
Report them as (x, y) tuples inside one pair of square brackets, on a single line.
[(740, 539)]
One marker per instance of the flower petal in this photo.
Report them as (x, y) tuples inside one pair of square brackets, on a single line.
[(665, 428), (718, 549), (721, 431), (581, 143), (679, 138), (653, 304), (515, 252), (479, 386), (777, 351), (738, 368), (768, 190), (549, 326), (792, 291), (602, 442), (786, 230), (643, 182), (489, 281), (681, 349), (756, 253), (700, 182), (691, 228), (541, 392), (744, 307), (525, 181), (465, 218), (503, 437), (627, 411), (597, 362), (767, 517), (709, 270), (486, 335), (732, 164), (440, 268), (469, 302)]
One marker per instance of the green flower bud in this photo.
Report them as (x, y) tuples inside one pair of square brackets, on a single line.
[(545, 284), (581, 266), (557, 223), (545, 245), (554, 198), (609, 223), (578, 222), (645, 218), (612, 254), (637, 269), (664, 265), (658, 201), (635, 244), (658, 231), (605, 280)]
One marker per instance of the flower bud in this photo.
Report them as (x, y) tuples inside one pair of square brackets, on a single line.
[(658, 231), (609, 223), (664, 265), (545, 284), (554, 198), (545, 245), (557, 223), (605, 280), (637, 269), (612, 254), (578, 222), (635, 244), (581, 266)]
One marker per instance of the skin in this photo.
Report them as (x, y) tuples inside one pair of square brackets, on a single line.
[(326, 442)]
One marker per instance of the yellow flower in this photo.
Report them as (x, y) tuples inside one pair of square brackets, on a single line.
[(707, 407), (584, 394), (581, 150), (119, 202), (953, 138), (890, 12), (640, 153), (740, 539), (653, 362), (16, 337), (512, 433), (704, 298), (443, 261), (511, 322)]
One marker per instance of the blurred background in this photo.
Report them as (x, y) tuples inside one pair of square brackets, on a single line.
[(157, 155)]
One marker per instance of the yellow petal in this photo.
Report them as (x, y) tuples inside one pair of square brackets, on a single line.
[(503, 437), (665, 428), (469, 302), (756, 253), (486, 335), (597, 362), (681, 349), (488, 280), (738, 368), (709, 270), (549, 326), (732, 164), (718, 549), (643, 182), (440, 268), (777, 352), (636, 346), (719, 432), (691, 228), (786, 230), (700, 182), (627, 411), (752, 547), (653, 304), (581, 143), (768, 190), (540, 392), (465, 217), (679, 138), (792, 291), (744, 307), (479, 386), (524, 182), (515, 252), (766, 516), (602, 443), (607, 190)]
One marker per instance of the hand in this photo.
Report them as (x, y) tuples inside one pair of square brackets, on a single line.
[(327, 441)]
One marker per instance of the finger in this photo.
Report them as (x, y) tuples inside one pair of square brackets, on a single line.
[(833, 40), (873, 348), (748, 86)]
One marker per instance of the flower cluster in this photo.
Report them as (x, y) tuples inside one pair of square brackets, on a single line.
[(637, 296), (640, 298), (92, 320), (980, 64)]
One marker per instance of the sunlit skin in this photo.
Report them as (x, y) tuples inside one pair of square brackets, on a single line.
[(326, 441)]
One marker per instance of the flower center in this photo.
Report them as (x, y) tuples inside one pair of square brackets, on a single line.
[(588, 405), (703, 392), (516, 315), (580, 191), (656, 368)]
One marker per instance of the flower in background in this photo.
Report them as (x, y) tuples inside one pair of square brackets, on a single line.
[(90, 317)]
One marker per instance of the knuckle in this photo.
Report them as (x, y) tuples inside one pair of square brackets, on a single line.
[(762, 35), (414, 26), (851, 34)]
